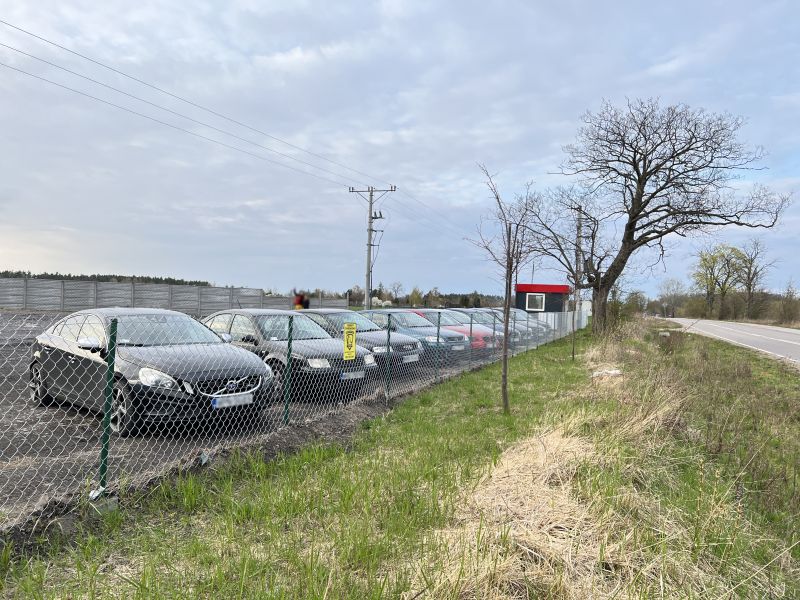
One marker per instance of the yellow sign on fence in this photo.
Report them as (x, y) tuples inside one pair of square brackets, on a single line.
[(349, 341)]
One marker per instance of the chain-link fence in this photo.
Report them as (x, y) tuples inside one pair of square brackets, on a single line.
[(106, 398)]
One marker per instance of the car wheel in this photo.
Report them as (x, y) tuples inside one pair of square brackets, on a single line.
[(38, 388), (125, 417), (277, 380)]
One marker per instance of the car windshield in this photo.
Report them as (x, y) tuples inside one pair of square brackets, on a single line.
[(446, 318), (276, 328), (410, 319), (163, 330), (462, 318), (362, 322), (487, 318)]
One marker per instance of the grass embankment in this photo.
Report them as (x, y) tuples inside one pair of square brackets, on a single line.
[(676, 479)]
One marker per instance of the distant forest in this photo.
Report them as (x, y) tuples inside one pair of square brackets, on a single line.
[(104, 278)]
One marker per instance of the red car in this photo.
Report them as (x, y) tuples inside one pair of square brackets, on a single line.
[(481, 337)]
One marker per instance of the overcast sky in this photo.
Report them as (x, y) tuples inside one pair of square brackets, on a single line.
[(410, 93)]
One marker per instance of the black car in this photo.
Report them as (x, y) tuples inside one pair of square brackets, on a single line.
[(168, 367), (447, 346), (369, 335), (319, 371)]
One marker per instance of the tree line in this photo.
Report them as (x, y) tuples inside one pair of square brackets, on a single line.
[(105, 278), (729, 282)]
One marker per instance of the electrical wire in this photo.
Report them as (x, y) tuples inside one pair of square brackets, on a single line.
[(170, 125), (176, 113), (217, 114)]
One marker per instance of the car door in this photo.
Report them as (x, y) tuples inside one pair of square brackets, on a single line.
[(244, 333), (219, 323), (65, 359), (90, 367)]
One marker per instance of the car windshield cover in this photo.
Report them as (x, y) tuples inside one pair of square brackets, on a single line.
[(163, 330), (362, 322), (276, 328), (486, 318), (446, 319), (410, 319)]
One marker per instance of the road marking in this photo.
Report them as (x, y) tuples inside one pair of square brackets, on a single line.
[(766, 337), (714, 335), (784, 330)]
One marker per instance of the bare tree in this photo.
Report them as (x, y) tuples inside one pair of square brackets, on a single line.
[(671, 292), (501, 236), (650, 172), (752, 271), (397, 290)]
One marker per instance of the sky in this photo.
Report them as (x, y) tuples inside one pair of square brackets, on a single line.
[(413, 94)]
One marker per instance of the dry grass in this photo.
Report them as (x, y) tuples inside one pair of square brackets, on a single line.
[(570, 515)]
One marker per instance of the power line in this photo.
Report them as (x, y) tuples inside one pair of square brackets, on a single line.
[(174, 112), (182, 99), (218, 114), (171, 125)]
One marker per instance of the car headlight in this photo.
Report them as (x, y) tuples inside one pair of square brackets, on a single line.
[(380, 349), (369, 359), (433, 339), (319, 363), (419, 345), (154, 378), (466, 338)]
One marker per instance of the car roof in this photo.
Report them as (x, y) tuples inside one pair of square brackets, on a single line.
[(389, 310), (325, 311), (124, 311), (252, 311)]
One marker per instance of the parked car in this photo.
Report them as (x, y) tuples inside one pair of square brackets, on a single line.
[(539, 329), (319, 371), (448, 346), (369, 335), (168, 367), (492, 337), (488, 318), (481, 337)]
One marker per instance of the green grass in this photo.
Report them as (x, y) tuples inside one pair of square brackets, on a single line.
[(700, 497), (324, 518)]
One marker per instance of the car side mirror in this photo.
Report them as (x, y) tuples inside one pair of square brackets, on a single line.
[(250, 339), (226, 337), (92, 344)]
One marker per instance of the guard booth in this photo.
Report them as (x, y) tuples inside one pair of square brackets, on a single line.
[(542, 297)]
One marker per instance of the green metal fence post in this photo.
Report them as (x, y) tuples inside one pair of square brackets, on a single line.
[(388, 357), (470, 341), (287, 376), (108, 399), (438, 343)]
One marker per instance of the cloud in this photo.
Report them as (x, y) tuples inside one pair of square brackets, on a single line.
[(411, 93)]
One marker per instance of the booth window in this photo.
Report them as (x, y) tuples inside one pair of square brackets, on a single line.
[(534, 302)]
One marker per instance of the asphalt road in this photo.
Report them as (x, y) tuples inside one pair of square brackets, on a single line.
[(780, 342)]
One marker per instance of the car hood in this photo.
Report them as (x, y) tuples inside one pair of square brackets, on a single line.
[(421, 332), (186, 361), (370, 339), (321, 348)]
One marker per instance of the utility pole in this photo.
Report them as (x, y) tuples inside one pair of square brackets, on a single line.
[(371, 217)]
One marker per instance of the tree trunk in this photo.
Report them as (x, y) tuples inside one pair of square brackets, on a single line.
[(506, 311), (600, 308)]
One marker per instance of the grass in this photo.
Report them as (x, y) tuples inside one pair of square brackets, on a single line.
[(676, 480)]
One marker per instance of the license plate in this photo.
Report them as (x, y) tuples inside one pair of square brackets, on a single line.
[(232, 400), (457, 348), (352, 375), (411, 358)]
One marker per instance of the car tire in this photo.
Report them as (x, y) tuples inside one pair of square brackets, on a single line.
[(277, 380), (126, 418), (39, 395)]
